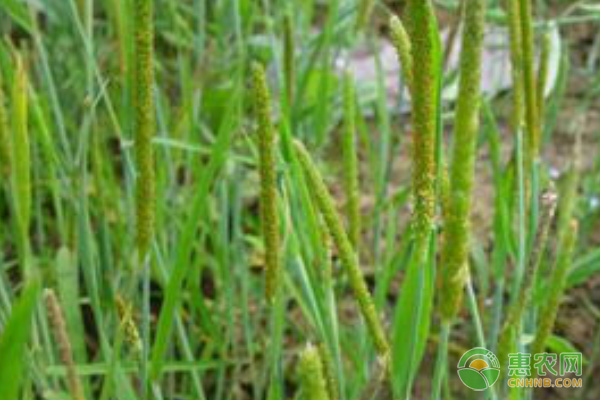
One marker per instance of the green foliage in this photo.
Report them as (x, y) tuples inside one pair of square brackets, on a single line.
[(13, 343), (363, 13), (542, 76), (5, 134)]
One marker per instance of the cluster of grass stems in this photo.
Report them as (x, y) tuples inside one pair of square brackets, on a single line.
[(300, 224)]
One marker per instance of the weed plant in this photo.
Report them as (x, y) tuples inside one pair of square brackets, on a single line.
[(214, 200)]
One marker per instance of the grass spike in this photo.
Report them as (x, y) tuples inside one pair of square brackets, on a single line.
[(20, 148), (556, 289), (329, 372), (455, 252), (65, 351), (516, 57), (144, 125), (529, 82), (424, 118), (548, 207), (20, 168), (347, 254), (312, 377), (128, 324), (567, 229), (569, 187), (268, 184), (351, 179), (542, 78), (288, 58), (512, 325), (401, 42)]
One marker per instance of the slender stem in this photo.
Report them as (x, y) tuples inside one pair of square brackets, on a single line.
[(478, 323), (441, 363)]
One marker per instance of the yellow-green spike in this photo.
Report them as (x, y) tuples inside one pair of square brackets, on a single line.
[(144, 126), (268, 189), (455, 251)]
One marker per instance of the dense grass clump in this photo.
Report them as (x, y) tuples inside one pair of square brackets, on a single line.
[(195, 190)]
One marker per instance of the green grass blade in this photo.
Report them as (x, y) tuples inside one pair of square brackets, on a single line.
[(13, 343)]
